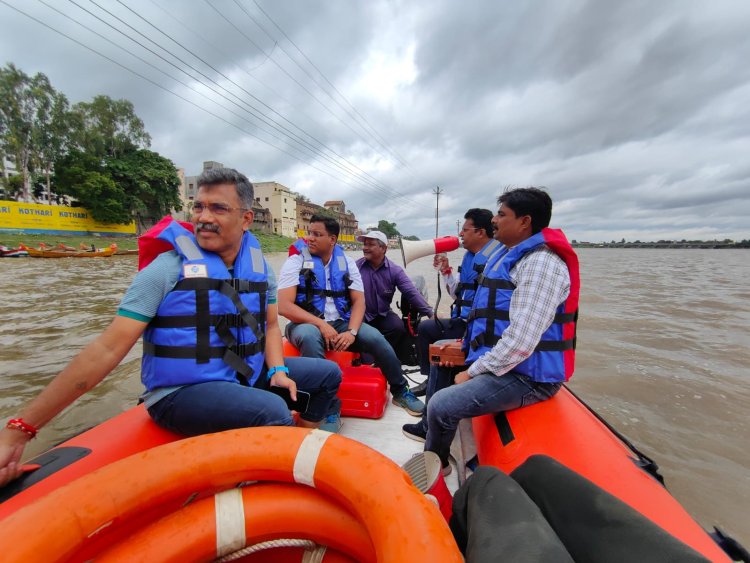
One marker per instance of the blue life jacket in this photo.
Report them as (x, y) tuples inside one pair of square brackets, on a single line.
[(553, 359), (312, 292), (471, 266), (211, 326)]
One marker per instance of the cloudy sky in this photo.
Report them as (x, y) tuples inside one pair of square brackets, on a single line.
[(634, 115)]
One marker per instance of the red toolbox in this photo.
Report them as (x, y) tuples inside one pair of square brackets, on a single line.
[(363, 388), (362, 392)]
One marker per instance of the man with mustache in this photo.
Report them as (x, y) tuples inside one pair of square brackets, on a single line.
[(381, 277), (211, 341), (321, 293)]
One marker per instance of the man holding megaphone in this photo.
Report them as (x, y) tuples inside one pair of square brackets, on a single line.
[(520, 338), (476, 238)]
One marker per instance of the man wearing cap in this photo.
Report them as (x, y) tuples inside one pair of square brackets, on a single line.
[(380, 277)]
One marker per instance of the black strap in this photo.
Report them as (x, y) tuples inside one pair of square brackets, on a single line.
[(189, 352), (493, 283), (239, 285), (544, 345), (463, 286), (202, 327), (487, 313), (184, 321)]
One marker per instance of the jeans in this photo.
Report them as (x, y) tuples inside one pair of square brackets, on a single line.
[(214, 406), (392, 328), (430, 331), (483, 394), (308, 340), (439, 378)]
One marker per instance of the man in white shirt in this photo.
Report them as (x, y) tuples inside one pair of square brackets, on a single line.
[(321, 293)]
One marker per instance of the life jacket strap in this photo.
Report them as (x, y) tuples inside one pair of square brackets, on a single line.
[(233, 320), (189, 353), (543, 346)]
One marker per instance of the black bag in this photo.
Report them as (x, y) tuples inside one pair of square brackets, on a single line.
[(411, 318)]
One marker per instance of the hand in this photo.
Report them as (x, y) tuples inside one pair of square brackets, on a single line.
[(449, 363), (343, 341), (440, 262), (329, 335), (12, 443), (280, 379), (462, 377)]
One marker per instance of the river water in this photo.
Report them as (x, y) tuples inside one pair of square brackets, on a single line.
[(663, 355)]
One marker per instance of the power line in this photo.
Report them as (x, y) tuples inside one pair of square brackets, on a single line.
[(201, 108), (354, 113), (375, 183), (253, 111), (282, 69)]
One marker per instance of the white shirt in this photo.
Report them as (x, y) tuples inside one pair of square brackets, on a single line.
[(289, 277)]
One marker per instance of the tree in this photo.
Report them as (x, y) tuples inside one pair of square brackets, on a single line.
[(18, 109), (139, 185), (388, 228), (107, 127), (85, 178), (149, 181), (52, 134)]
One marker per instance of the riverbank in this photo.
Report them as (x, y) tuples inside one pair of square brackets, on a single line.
[(268, 242)]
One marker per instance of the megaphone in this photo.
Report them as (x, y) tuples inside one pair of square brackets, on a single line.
[(413, 249)]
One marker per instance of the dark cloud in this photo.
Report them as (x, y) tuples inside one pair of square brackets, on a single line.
[(634, 115)]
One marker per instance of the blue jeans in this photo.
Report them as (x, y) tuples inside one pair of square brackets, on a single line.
[(484, 394), (215, 406), (430, 331), (439, 378), (309, 341)]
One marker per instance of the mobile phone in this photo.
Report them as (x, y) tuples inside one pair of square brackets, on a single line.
[(300, 405)]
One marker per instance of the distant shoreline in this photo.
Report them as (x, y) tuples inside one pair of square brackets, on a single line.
[(662, 245)]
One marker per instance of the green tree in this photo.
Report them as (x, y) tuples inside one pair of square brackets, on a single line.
[(388, 228), (52, 133), (150, 183), (20, 102), (84, 177), (107, 127)]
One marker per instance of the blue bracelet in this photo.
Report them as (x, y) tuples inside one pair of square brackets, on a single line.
[(274, 369)]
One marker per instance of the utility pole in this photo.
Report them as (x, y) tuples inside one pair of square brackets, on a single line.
[(437, 191), (458, 229)]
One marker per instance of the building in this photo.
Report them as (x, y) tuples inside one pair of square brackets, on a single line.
[(347, 220), (305, 210), (282, 204), (190, 184)]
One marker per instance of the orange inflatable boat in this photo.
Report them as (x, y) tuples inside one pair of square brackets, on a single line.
[(567, 430)]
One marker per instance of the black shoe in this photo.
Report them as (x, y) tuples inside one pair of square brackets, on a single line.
[(421, 389), (415, 431)]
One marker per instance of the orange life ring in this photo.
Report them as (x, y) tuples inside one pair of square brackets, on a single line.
[(265, 511), (400, 521)]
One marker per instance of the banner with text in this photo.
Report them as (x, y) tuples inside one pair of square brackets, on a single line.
[(37, 218)]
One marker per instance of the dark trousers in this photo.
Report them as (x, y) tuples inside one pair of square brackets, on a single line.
[(392, 327), (431, 330), (544, 511)]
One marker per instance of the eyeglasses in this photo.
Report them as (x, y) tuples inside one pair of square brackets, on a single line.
[(464, 229), (215, 208)]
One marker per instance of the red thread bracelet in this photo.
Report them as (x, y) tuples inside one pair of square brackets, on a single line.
[(19, 424)]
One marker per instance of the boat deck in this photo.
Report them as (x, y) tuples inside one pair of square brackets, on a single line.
[(385, 436)]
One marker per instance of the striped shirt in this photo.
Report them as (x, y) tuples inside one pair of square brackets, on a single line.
[(542, 283)]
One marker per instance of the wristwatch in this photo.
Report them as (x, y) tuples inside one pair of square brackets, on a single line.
[(353, 331)]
